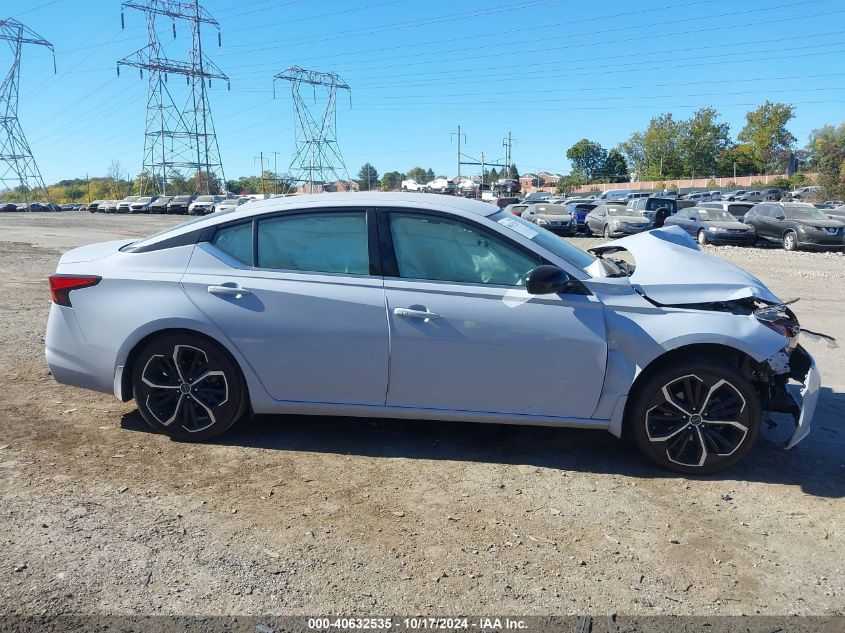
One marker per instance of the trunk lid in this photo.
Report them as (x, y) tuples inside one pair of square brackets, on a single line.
[(91, 252)]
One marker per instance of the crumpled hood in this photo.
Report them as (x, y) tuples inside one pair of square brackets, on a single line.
[(672, 270)]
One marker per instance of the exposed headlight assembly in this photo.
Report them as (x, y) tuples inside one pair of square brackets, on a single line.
[(782, 320)]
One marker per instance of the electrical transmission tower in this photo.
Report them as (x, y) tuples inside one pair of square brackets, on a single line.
[(17, 166), (316, 157), (178, 138)]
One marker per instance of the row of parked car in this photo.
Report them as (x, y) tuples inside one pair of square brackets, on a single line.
[(794, 224), (181, 205), (465, 187)]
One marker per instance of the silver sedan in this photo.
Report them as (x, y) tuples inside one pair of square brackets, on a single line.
[(409, 306)]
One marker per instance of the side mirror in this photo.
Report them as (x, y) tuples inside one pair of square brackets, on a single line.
[(546, 280), (779, 217)]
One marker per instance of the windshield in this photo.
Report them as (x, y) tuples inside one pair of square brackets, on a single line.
[(715, 215), (181, 199), (804, 213), (546, 239), (205, 198), (145, 200), (620, 211)]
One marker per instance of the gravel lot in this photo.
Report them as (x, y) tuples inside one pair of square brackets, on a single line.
[(305, 515)]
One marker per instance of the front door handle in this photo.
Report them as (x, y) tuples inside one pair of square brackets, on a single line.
[(229, 291), (411, 313)]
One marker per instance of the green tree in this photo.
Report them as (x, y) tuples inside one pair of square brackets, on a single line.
[(702, 138), (765, 131), (614, 168), (368, 177), (392, 180), (655, 153), (567, 183), (420, 175), (827, 154), (740, 155), (587, 158)]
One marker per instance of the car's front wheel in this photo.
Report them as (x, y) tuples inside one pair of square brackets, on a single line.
[(702, 237), (695, 416), (187, 387), (607, 231), (790, 241)]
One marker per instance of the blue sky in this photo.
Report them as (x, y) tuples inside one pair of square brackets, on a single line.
[(548, 71)]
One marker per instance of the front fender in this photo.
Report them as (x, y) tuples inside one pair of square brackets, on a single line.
[(638, 337)]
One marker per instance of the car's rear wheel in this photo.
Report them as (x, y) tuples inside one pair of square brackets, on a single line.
[(695, 417), (702, 237), (188, 387), (790, 241)]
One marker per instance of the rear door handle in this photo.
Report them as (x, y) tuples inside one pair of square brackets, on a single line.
[(229, 291), (410, 313)]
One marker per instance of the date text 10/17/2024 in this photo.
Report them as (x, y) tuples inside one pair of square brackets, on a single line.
[(481, 624)]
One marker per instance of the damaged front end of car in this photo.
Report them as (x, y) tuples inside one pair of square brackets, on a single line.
[(700, 282), (791, 363)]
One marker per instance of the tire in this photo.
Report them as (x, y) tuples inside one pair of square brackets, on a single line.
[(188, 387), (606, 232), (702, 237), (678, 436), (790, 241)]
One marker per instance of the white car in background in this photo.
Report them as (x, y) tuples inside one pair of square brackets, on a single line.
[(412, 185), (803, 193), (231, 203), (426, 307), (204, 205), (441, 185)]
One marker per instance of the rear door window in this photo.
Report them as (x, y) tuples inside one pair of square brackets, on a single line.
[(324, 242)]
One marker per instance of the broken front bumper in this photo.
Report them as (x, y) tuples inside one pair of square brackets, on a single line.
[(809, 400), (799, 366)]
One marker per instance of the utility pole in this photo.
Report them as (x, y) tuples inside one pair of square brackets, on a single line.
[(508, 143), (734, 172), (482, 175), (88, 186), (17, 166), (460, 137), (275, 172), (261, 158)]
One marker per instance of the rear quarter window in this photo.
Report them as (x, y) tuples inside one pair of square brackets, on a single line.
[(236, 241)]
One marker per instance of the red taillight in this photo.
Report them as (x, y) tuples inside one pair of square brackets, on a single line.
[(61, 285)]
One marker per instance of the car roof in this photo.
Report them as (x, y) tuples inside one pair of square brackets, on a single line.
[(459, 206)]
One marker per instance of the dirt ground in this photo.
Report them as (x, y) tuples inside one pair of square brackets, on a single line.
[(317, 515)]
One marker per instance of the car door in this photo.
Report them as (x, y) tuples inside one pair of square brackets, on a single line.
[(296, 294), (595, 219), (466, 336), (691, 222), (761, 220)]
